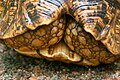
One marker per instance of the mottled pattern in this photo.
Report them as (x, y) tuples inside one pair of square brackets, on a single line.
[(61, 29)]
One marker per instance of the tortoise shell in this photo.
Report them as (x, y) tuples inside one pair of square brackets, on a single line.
[(84, 32)]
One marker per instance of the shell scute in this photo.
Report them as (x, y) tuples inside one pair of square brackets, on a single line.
[(19, 16), (99, 18)]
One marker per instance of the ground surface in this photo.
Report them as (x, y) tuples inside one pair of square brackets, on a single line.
[(14, 66)]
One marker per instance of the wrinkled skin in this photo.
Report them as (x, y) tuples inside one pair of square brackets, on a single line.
[(78, 31)]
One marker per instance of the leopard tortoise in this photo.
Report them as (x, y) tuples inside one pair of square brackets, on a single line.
[(84, 32)]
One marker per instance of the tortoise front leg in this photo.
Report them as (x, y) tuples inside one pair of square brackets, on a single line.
[(85, 45)]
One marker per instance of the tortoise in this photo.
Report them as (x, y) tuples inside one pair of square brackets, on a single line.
[(83, 32)]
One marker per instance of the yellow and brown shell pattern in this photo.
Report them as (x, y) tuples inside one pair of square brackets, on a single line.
[(84, 32)]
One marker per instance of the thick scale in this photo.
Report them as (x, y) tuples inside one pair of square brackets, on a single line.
[(55, 29)]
